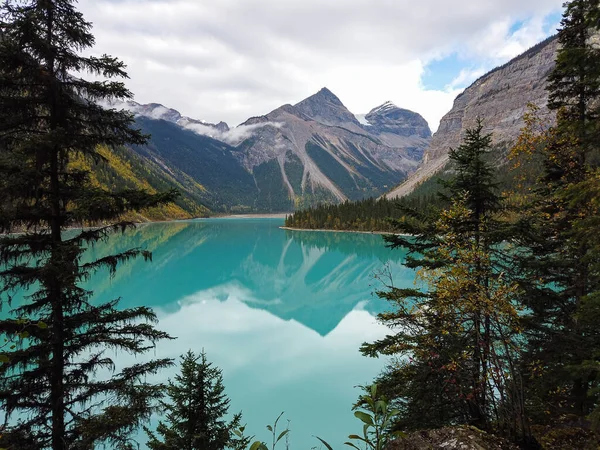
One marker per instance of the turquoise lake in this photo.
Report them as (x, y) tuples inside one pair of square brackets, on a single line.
[(281, 312)]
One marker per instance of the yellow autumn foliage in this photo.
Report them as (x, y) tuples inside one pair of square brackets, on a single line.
[(125, 173)]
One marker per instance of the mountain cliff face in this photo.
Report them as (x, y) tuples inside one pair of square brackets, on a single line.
[(295, 156), (397, 127), (500, 98), (317, 150), (324, 107)]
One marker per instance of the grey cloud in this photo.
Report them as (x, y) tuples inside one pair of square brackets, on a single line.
[(231, 59)]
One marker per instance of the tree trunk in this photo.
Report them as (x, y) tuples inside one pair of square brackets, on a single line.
[(54, 287)]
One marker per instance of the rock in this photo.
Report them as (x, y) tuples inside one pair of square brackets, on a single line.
[(325, 154), (222, 127), (451, 438), (398, 127), (388, 118), (500, 98), (326, 108)]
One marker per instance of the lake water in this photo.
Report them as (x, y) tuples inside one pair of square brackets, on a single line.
[(283, 313)]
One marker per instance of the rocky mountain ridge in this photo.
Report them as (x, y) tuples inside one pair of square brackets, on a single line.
[(156, 111), (500, 98), (326, 108), (324, 153), (294, 156), (397, 126)]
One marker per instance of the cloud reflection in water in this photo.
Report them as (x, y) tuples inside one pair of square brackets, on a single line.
[(282, 313)]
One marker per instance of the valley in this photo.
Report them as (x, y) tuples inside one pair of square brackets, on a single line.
[(293, 157), (317, 151)]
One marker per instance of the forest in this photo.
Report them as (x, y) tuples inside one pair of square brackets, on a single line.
[(500, 333), (374, 215)]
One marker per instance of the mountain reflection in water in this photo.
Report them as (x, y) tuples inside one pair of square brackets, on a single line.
[(282, 312)]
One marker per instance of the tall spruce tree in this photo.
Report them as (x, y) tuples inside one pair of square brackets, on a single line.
[(456, 341), (53, 387), (196, 410), (557, 236)]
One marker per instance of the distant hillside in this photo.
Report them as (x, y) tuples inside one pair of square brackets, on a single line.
[(199, 162), (500, 97), (125, 169), (295, 156)]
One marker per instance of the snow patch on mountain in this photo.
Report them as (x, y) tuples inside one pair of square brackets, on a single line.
[(387, 106), (362, 119), (154, 111)]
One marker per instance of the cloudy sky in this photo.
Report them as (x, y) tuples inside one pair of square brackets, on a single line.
[(233, 59)]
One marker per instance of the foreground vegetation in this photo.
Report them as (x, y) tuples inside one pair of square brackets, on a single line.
[(50, 388), (501, 335), (501, 332)]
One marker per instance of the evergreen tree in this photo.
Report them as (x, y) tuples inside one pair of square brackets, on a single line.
[(474, 176), (458, 337), (574, 84), (363, 215), (52, 384), (557, 236), (195, 414)]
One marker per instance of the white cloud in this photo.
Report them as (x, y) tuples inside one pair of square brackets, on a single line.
[(466, 76), (233, 59), (497, 43), (234, 136)]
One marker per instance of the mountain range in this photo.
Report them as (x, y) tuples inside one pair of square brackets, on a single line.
[(295, 156), (317, 150)]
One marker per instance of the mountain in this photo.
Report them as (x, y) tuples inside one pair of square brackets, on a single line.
[(124, 169), (225, 185), (397, 126), (324, 107), (295, 156), (500, 98), (318, 151), (156, 111)]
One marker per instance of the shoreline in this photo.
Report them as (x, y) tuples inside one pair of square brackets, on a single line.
[(251, 216), (340, 231)]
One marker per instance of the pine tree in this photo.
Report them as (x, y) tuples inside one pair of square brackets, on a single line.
[(458, 336), (195, 413), (474, 176), (557, 236), (51, 387), (574, 84)]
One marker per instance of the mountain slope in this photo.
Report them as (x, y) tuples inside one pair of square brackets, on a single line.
[(124, 169), (226, 185), (324, 153), (500, 98), (295, 156)]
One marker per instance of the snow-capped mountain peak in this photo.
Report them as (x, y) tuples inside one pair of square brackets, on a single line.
[(387, 106), (156, 111)]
